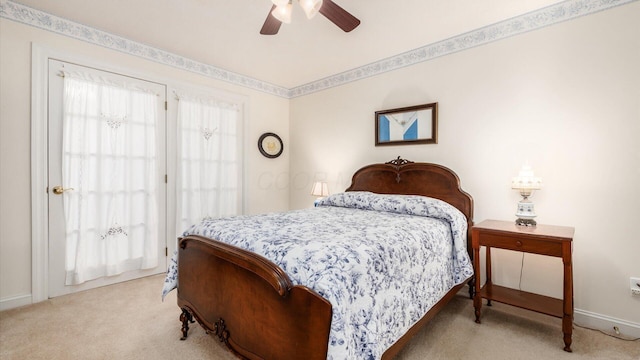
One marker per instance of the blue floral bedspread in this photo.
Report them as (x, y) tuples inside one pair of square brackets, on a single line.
[(381, 260)]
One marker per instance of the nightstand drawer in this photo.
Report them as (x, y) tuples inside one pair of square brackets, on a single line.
[(535, 246)]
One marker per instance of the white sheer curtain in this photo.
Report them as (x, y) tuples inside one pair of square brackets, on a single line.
[(209, 162), (109, 159)]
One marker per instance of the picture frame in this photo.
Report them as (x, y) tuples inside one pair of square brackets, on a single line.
[(408, 125), (270, 145)]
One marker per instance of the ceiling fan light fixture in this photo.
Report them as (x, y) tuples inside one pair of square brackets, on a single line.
[(283, 12), (310, 7)]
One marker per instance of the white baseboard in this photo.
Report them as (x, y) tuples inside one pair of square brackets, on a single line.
[(14, 302), (587, 319)]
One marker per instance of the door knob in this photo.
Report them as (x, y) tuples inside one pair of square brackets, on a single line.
[(58, 190)]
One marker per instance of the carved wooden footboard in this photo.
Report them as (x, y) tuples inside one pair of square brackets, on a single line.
[(253, 308), (250, 304)]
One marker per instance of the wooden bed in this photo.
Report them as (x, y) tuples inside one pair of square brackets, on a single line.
[(250, 304)]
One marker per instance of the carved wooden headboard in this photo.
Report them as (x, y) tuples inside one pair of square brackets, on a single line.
[(406, 177)]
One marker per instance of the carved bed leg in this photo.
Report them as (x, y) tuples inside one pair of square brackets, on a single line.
[(220, 329), (185, 318), (472, 288)]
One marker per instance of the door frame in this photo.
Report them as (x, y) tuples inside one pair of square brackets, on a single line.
[(40, 56), (58, 236), (39, 172)]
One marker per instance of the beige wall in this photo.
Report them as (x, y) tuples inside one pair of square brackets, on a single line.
[(265, 113), (565, 98)]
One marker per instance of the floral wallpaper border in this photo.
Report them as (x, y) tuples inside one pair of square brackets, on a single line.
[(534, 20), (537, 19)]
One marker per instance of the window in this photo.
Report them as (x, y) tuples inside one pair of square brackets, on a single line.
[(209, 140)]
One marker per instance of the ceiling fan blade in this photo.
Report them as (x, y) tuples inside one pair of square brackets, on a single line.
[(339, 16), (271, 25)]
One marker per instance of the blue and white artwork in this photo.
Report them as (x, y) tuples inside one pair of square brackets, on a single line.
[(405, 126)]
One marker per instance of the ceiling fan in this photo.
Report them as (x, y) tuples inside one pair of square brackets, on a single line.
[(281, 13)]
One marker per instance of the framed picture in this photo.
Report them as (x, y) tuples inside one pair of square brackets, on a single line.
[(408, 125)]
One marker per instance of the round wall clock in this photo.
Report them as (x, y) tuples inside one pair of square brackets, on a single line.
[(270, 145)]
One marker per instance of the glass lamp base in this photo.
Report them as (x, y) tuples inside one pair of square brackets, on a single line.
[(526, 222), (525, 213)]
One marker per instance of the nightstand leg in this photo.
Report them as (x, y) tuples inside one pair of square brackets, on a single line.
[(488, 269), (567, 318), (567, 331), (477, 299)]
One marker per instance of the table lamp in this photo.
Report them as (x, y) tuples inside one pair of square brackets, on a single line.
[(525, 183), (320, 190)]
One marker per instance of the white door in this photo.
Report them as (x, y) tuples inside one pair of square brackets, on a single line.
[(106, 186)]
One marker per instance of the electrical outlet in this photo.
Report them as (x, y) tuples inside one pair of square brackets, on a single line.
[(634, 284)]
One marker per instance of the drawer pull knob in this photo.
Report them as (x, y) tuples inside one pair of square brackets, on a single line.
[(519, 243)]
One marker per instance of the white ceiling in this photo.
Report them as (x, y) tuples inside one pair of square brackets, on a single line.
[(225, 33)]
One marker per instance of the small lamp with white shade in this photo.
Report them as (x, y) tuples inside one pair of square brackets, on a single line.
[(320, 189), (525, 183)]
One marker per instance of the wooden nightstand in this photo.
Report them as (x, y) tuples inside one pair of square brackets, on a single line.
[(541, 239)]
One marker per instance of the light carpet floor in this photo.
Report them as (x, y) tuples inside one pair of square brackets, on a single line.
[(129, 321)]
